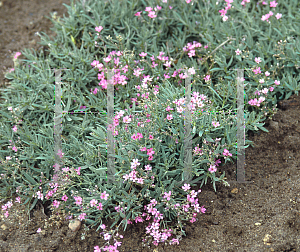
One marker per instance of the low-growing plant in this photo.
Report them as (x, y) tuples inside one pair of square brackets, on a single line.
[(151, 182)]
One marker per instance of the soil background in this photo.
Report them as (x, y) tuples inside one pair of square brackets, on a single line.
[(260, 215)]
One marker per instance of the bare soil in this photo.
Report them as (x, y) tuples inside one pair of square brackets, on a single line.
[(259, 216)]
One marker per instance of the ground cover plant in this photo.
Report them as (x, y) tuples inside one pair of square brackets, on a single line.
[(272, 101)]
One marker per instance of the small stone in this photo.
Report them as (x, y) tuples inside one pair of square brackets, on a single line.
[(74, 225), (234, 190), (267, 239), (4, 227), (33, 42), (274, 125)]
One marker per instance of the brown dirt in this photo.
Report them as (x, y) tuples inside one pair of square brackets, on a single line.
[(258, 216)]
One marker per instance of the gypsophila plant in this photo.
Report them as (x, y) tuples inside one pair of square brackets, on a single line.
[(148, 122)]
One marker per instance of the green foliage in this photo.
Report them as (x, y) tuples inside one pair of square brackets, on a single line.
[(84, 135)]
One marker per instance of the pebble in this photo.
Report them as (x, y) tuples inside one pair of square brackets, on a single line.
[(74, 225), (274, 125)]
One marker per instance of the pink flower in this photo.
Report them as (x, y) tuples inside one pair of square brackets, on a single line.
[(138, 14), (278, 15), (207, 78), (212, 169), (257, 60), (95, 91), (6, 214), (78, 200), (15, 128), (148, 9), (104, 195), (64, 198), (223, 12), (107, 236), (60, 154), (143, 54), (18, 200), (216, 124), (169, 117), (273, 4), (56, 203), (107, 59), (265, 91), (277, 82), (82, 216), (238, 52), (202, 209), (192, 70), (99, 28), (152, 14), (226, 153), (78, 170), (17, 55), (257, 70)]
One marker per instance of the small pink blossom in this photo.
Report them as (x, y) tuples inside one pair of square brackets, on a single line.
[(258, 60), (64, 198), (224, 18), (152, 14), (60, 154), (17, 55), (99, 28), (143, 54), (104, 195), (169, 117), (212, 169), (238, 52), (207, 78), (215, 124), (273, 4), (56, 203)]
